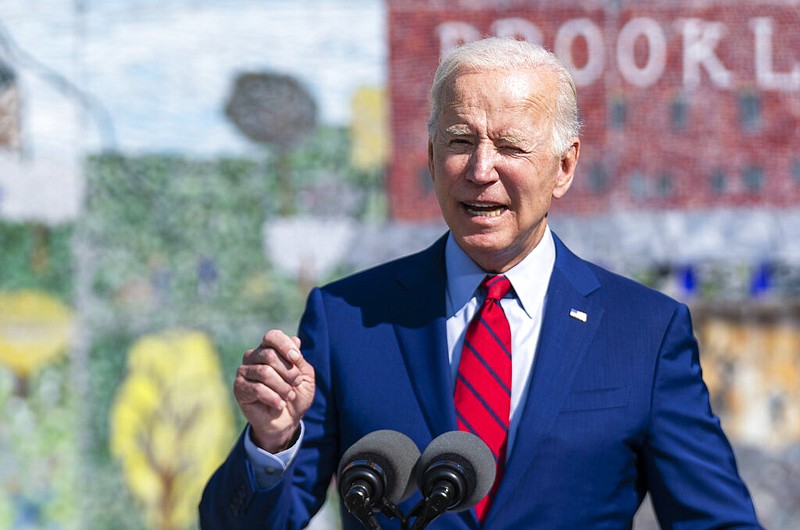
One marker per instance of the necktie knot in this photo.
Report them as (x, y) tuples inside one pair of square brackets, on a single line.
[(496, 286)]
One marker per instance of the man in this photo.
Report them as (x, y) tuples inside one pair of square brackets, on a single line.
[(605, 399)]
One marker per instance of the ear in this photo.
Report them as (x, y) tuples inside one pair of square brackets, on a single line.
[(566, 169)]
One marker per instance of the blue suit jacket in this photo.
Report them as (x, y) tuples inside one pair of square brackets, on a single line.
[(616, 407)]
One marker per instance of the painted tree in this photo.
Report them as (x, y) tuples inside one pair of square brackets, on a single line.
[(171, 424), (275, 110), (35, 331)]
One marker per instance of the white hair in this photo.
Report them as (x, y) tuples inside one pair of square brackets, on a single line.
[(496, 53)]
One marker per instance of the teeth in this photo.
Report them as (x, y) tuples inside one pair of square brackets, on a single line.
[(485, 209)]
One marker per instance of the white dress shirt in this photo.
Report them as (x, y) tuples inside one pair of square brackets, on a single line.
[(523, 307)]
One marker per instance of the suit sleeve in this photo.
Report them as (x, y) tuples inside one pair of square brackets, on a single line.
[(690, 467), (231, 499)]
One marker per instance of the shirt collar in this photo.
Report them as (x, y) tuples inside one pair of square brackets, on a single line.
[(529, 278)]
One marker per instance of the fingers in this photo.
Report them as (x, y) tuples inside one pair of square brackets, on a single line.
[(270, 373), (280, 364), (281, 353), (267, 376), (280, 341), (260, 384)]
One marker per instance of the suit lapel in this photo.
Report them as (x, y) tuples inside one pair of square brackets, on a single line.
[(419, 316), (563, 343)]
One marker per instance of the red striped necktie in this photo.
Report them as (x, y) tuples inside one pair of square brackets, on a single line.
[(483, 385)]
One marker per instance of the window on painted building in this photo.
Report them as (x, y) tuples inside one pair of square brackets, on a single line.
[(637, 185), (617, 113), (753, 178), (597, 179), (718, 182), (796, 172), (749, 111), (678, 111), (664, 185)]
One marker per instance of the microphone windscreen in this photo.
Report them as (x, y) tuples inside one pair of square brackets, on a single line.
[(468, 451), (396, 455)]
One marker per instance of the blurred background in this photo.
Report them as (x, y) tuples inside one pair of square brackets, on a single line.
[(175, 175)]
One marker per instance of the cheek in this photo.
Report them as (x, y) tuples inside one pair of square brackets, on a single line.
[(531, 197), (452, 166)]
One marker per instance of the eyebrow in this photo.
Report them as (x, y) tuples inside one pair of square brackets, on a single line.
[(458, 130), (462, 130), (514, 138)]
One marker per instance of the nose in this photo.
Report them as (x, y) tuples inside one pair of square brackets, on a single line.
[(483, 168)]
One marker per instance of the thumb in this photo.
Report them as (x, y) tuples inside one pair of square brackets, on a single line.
[(296, 356)]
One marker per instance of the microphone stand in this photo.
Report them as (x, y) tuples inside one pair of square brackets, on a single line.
[(443, 489), (357, 502), (436, 503), (365, 486), (365, 513), (429, 509)]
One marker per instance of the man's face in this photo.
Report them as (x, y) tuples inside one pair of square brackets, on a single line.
[(492, 163)]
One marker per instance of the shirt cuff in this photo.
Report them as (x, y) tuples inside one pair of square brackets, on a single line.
[(267, 469)]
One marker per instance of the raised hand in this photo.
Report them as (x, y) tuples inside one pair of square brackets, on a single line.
[(274, 387)]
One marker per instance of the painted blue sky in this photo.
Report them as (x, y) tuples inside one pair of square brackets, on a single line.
[(160, 71)]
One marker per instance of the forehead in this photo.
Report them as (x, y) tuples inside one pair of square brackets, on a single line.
[(497, 93)]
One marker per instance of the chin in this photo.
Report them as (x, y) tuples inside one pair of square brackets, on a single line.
[(480, 245)]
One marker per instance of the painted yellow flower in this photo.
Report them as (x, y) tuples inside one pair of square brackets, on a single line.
[(35, 330)]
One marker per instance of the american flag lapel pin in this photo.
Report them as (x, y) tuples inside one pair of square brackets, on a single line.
[(579, 315)]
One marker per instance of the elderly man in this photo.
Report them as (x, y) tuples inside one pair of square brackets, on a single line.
[(585, 385)]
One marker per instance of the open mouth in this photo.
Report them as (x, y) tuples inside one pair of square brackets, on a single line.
[(484, 209)]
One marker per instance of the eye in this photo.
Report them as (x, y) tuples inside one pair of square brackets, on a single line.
[(512, 150), (459, 143)]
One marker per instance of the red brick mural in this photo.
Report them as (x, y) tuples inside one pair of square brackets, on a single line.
[(685, 105)]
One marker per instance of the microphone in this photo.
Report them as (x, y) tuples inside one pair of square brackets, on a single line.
[(375, 474), (454, 472)]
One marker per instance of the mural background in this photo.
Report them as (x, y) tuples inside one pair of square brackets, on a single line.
[(155, 220)]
